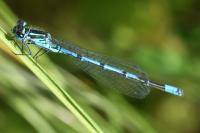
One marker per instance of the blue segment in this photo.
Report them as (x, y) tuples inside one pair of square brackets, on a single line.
[(35, 34), (43, 43), (40, 42), (173, 90), (133, 76), (90, 61), (107, 67), (65, 51)]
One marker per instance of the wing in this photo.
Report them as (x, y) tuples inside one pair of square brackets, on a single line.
[(130, 87)]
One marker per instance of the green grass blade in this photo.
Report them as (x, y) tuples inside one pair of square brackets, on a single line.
[(59, 92)]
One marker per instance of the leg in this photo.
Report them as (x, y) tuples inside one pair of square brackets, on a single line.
[(24, 44), (11, 37), (37, 55), (22, 50), (37, 52)]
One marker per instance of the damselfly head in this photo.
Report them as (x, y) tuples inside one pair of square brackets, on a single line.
[(19, 29)]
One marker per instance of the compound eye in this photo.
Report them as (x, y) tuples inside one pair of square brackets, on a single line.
[(21, 23)]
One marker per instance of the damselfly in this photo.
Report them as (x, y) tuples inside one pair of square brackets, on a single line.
[(124, 78)]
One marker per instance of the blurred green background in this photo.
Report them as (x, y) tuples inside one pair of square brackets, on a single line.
[(162, 37)]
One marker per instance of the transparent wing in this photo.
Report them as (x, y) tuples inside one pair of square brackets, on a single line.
[(130, 87)]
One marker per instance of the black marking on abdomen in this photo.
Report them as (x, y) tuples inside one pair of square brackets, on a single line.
[(79, 56), (102, 65), (124, 73)]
